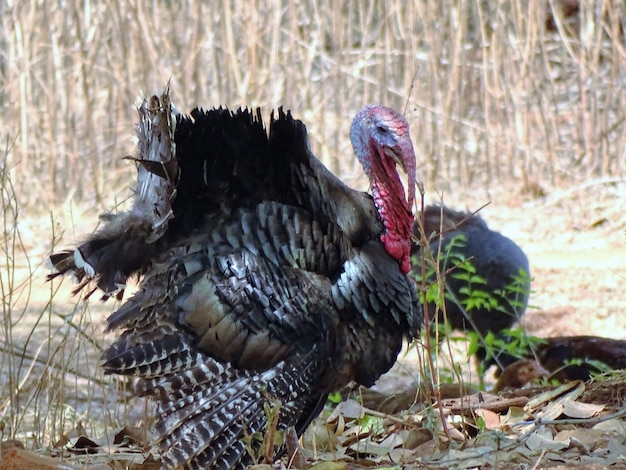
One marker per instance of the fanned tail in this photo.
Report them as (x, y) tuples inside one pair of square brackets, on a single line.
[(127, 241)]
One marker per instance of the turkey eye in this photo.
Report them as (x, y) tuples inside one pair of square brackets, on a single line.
[(381, 129)]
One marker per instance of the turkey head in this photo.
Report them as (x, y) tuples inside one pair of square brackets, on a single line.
[(380, 138)]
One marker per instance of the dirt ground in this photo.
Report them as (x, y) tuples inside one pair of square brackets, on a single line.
[(575, 240)]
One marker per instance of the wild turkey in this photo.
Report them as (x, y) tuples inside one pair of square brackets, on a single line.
[(497, 259), (518, 374), (571, 357), (579, 357), (267, 283)]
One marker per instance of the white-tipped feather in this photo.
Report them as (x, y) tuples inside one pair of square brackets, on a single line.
[(81, 263), (49, 265)]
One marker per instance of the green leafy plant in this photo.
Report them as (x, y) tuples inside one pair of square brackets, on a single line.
[(261, 445), (473, 295), (513, 342), (334, 398)]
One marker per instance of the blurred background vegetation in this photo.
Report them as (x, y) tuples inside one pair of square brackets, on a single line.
[(519, 92)]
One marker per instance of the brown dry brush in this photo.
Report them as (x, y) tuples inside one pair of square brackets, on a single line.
[(500, 91), (49, 347)]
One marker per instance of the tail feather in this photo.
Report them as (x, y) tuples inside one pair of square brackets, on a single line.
[(179, 386), (154, 358), (127, 241), (211, 414), (207, 438), (218, 400)]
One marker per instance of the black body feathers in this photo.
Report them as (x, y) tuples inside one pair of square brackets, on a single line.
[(267, 286)]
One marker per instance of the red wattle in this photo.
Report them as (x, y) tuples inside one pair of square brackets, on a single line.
[(399, 249)]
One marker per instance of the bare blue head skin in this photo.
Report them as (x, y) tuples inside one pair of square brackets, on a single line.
[(381, 141)]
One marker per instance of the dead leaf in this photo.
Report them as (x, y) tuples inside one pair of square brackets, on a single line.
[(368, 447), (134, 461), (453, 433), (330, 466), (551, 395), (392, 441), (320, 436), (515, 415), (470, 456), (349, 409), (417, 437), (428, 449), (20, 459), (612, 426), (491, 419), (576, 409), (587, 437), (542, 439), (402, 456), (551, 412)]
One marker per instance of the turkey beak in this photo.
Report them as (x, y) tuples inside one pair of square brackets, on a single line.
[(405, 159)]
